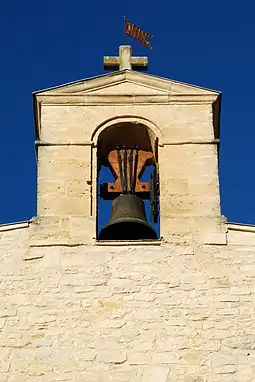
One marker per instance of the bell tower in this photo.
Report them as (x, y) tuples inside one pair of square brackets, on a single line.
[(127, 156)]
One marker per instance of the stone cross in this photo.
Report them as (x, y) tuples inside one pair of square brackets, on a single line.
[(125, 60)]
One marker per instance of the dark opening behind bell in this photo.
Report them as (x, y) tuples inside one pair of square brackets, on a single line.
[(128, 221)]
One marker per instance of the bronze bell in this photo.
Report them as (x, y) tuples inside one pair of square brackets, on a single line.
[(128, 221)]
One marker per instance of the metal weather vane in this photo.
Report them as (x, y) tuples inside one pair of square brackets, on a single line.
[(137, 33)]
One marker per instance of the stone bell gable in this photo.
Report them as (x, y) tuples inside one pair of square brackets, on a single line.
[(182, 121)]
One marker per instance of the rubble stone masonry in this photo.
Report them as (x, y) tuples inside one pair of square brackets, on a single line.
[(126, 313)]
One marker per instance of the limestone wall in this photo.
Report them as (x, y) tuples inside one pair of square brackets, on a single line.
[(189, 188), (183, 313), (78, 123)]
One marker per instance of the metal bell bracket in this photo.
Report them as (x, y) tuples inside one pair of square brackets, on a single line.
[(127, 165)]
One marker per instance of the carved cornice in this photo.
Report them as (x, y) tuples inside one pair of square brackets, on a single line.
[(125, 99)]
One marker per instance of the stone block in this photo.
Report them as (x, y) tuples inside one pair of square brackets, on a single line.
[(222, 359), (5, 354), (155, 373), (246, 342), (82, 230), (240, 290), (49, 230), (5, 366), (64, 206), (64, 123), (108, 356), (73, 230), (83, 355), (166, 357), (172, 343), (241, 238), (217, 238), (139, 358), (227, 369)]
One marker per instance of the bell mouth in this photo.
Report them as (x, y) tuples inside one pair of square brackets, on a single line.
[(128, 230)]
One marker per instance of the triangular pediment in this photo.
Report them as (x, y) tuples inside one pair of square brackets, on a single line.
[(126, 82), (125, 88)]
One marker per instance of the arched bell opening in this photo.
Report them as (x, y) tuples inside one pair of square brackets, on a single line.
[(127, 183)]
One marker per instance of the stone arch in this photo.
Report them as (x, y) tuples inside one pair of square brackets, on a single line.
[(128, 134), (136, 120)]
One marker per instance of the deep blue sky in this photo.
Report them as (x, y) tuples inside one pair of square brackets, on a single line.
[(51, 42)]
